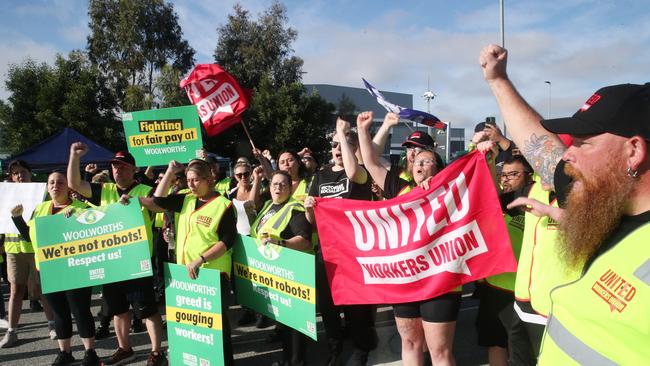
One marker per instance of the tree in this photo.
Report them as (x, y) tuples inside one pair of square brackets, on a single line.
[(45, 99), (131, 41), (258, 53), (347, 109), (168, 84)]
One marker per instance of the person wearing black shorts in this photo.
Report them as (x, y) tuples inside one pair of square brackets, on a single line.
[(433, 321)]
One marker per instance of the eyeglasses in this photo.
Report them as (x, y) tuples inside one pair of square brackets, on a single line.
[(511, 175), (306, 159), (424, 162), (417, 149), (279, 185), (243, 175)]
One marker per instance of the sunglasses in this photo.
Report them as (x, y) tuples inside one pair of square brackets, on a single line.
[(242, 175)]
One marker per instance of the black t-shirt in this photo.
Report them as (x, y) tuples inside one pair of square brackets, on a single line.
[(328, 183), (227, 228), (298, 224), (393, 184)]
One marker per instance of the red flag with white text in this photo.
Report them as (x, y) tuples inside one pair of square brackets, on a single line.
[(419, 245), (218, 97)]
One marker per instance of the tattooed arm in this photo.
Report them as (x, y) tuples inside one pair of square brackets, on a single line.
[(541, 148)]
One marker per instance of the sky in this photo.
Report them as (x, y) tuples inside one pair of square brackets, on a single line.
[(401, 46)]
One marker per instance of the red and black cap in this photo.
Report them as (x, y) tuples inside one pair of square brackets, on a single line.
[(123, 157), (622, 110), (420, 139)]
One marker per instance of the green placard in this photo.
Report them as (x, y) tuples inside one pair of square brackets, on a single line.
[(157, 136), (92, 247), (194, 327), (277, 282)]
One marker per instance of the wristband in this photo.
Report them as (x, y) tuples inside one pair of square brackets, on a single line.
[(203, 258)]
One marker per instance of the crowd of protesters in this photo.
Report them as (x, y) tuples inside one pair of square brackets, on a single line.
[(574, 195)]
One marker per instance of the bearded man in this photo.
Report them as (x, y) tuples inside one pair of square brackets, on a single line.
[(601, 317)]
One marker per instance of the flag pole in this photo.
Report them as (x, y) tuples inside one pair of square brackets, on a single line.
[(250, 139)]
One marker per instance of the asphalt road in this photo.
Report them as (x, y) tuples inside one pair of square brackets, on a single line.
[(35, 347)]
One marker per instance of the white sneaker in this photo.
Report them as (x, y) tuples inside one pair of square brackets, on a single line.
[(52, 334), (4, 324), (9, 339)]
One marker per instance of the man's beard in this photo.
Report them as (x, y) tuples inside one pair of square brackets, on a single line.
[(592, 211)]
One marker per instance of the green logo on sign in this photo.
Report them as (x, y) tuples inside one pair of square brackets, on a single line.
[(90, 217)]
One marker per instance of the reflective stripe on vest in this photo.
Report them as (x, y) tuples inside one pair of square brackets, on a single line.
[(602, 318), (14, 243), (574, 347), (643, 272), (278, 222), (197, 232)]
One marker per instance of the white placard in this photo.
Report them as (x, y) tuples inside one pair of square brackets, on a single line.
[(11, 194)]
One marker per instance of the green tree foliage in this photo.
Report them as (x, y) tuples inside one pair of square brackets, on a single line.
[(258, 53), (131, 41), (347, 109), (168, 84), (45, 99)]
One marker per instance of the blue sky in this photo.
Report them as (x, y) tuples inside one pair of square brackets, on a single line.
[(578, 45)]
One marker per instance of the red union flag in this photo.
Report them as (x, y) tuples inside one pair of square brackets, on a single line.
[(218, 97), (419, 245)]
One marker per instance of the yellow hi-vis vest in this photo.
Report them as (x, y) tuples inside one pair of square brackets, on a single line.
[(197, 232), (301, 191), (540, 267), (14, 244), (110, 195), (278, 222), (45, 209), (223, 186), (515, 226), (603, 318)]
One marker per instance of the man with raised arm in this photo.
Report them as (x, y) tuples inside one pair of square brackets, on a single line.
[(600, 317), (139, 292)]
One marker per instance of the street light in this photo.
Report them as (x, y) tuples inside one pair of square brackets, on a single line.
[(548, 113)]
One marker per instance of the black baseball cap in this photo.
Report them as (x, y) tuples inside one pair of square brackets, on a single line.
[(123, 157), (622, 110), (420, 139), (18, 162)]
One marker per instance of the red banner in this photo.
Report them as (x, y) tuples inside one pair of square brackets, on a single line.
[(419, 245), (218, 97)]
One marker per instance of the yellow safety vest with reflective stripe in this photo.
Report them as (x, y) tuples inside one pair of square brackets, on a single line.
[(301, 191), (197, 232), (603, 318), (278, 222), (14, 244), (111, 195), (515, 226), (223, 186), (45, 209)]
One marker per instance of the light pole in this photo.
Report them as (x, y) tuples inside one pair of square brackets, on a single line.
[(548, 113)]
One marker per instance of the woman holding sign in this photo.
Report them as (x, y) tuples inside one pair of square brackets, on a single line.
[(429, 323), (63, 303), (282, 221), (206, 228)]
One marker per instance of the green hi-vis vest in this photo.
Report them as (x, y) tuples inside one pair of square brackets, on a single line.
[(110, 195), (603, 318), (197, 232), (278, 222), (223, 186), (301, 191), (14, 244), (515, 226), (45, 209)]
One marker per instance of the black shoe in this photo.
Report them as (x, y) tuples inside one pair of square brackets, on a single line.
[(35, 306), (102, 332), (263, 322), (247, 318), (90, 358), (359, 357), (63, 358), (138, 327)]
